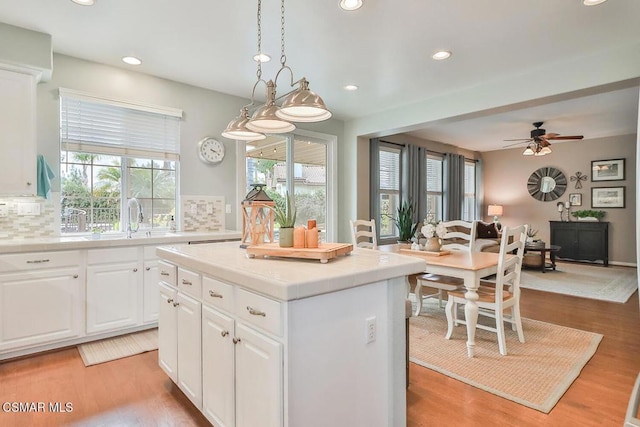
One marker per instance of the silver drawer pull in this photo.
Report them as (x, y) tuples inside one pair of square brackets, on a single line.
[(164, 273), (186, 282), (135, 270), (75, 276), (148, 268), (255, 312), (38, 261), (175, 304), (224, 333), (236, 340), (215, 295), (170, 300)]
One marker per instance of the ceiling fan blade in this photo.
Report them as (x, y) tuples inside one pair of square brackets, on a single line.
[(519, 139), (544, 142), (515, 143), (567, 137), (549, 135)]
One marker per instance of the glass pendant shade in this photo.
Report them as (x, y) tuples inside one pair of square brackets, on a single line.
[(528, 151), (237, 129), (303, 105), (545, 151)]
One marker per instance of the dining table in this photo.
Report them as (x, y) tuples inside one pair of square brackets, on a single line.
[(468, 266)]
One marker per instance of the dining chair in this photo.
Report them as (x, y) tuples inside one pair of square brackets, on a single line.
[(460, 236), (363, 233), (497, 296)]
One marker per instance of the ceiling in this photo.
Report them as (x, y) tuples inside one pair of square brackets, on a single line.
[(384, 48)]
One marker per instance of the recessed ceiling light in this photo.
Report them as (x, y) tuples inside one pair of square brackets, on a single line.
[(440, 55), (593, 2), (350, 4), (84, 2), (261, 57), (351, 87), (131, 60)]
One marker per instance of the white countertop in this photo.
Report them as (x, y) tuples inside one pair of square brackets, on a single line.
[(290, 279), (111, 240)]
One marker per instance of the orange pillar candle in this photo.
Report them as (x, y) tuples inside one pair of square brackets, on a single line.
[(298, 237), (311, 224), (312, 238)]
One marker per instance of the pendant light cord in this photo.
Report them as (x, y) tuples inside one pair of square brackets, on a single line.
[(283, 57)]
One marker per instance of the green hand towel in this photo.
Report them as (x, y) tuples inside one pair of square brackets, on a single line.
[(45, 175)]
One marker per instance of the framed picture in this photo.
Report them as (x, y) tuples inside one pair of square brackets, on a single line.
[(607, 170), (607, 197), (575, 199)]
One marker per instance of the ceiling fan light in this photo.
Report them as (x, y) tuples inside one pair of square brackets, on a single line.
[(265, 120), (528, 151), (237, 129), (544, 151), (592, 2)]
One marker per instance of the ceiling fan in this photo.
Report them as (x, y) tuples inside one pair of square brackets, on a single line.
[(538, 144)]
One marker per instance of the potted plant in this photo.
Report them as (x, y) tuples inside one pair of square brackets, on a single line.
[(588, 215), (285, 216), (404, 222)]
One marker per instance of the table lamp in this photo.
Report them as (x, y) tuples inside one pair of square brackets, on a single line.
[(495, 211)]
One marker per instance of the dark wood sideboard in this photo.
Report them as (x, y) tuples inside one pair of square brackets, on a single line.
[(581, 240)]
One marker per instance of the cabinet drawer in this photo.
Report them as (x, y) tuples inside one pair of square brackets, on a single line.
[(112, 255), (189, 282), (167, 273), (260, 311), (217, 294), (39, 260)]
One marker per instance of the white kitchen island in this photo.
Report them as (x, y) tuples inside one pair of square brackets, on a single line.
[(285, 342)]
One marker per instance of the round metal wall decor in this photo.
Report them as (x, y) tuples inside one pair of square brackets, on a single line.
[(547, 184)]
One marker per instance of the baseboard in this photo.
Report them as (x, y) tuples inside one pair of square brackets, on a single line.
[(624, 264)]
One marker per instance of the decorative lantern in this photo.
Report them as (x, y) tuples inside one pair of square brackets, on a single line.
[(257, 217)]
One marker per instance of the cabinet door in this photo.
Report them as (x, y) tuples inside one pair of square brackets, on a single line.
[(565, 237), (17, 138), (112, 296), (168, 332), (190, 348), (259, 376), (591, 244), (39, 306), (218, 403), (150, 294)]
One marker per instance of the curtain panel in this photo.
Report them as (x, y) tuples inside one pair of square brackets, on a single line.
[(453, 186)]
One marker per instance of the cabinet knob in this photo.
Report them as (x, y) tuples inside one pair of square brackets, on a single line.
[(255, 312), (175, 304), (236, 340), (213, 294), (224, 333), (170, 300), (75, 276), (148, 268), (28, 182), (135, 270), (186, 282)]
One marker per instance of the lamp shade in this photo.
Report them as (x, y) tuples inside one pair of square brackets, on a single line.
[(237, 129), (303, 105), (494, 210)]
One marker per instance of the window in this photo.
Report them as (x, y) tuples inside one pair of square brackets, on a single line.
[(389, 186), (434, 187), (113, 151), (469, 204)]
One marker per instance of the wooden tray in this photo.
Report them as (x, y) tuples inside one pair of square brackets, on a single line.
[(324, 252), (425, 253)]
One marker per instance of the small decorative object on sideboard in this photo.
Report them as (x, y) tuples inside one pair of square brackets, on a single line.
[(589, 215)]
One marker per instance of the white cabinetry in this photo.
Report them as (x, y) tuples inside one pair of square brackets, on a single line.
[(17, 136), (40, 298), (179, 338), (150, 294), (114, 289)]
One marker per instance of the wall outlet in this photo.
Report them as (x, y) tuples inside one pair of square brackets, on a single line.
[(370, 331), (227, 208)]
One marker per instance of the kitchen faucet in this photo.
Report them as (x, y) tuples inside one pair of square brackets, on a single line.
[(133, 203)]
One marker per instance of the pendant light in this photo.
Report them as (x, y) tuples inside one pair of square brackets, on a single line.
[(299, 105)]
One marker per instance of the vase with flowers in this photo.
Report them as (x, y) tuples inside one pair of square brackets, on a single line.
[(433, 231)]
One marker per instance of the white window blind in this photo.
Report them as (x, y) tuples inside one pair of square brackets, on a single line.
[(107, 126), (389, 168)]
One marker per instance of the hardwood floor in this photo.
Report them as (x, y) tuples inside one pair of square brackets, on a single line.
[(135, 392)]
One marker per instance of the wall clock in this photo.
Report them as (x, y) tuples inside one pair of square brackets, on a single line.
[(211, 150), (547, 184)]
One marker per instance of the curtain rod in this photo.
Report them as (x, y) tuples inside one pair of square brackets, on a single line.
[(428, 150)]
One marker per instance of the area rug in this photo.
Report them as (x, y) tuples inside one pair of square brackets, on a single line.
[(535, 374), (614, 284), (109, 349)]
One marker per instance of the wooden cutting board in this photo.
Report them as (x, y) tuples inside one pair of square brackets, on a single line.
[(324, 252)]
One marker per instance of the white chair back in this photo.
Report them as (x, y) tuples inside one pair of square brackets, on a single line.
[(509, 266), (363, 233), (459, 230)]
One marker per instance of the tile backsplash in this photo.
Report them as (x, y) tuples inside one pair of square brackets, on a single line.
[(202, 213), (29, 217)]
